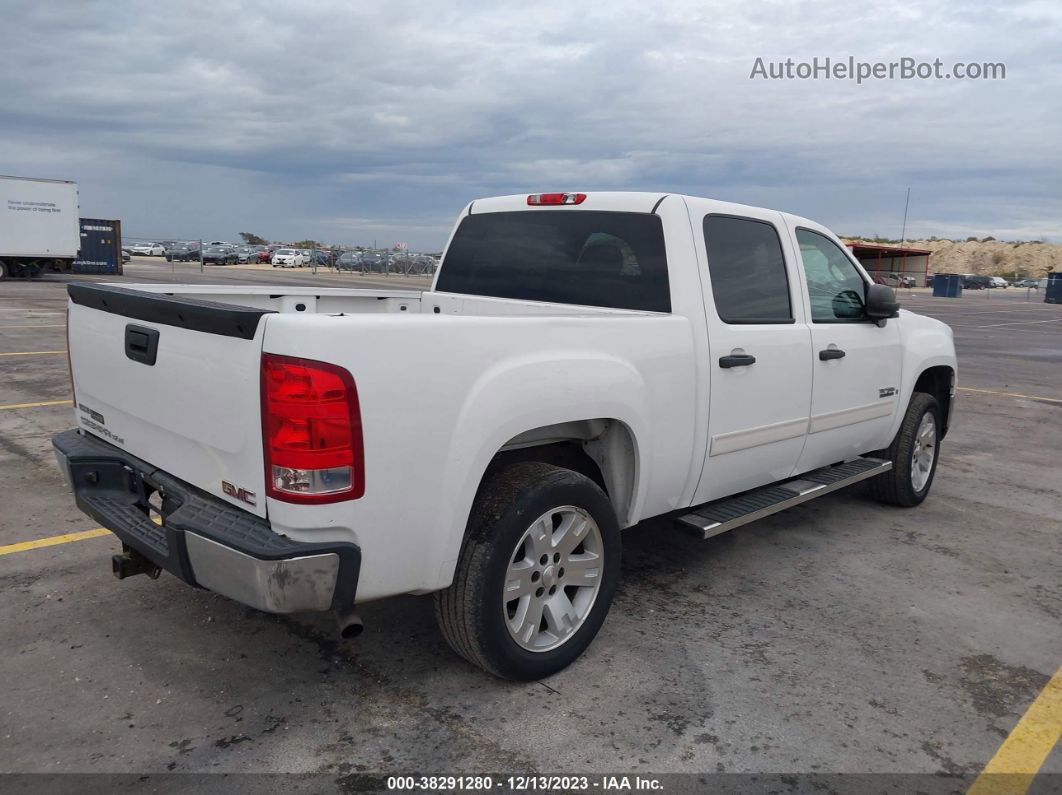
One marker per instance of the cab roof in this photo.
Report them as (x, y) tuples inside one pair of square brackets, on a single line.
[(616, 201)]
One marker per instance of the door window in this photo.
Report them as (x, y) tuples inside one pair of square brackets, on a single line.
[(745, 262), (835, 287)]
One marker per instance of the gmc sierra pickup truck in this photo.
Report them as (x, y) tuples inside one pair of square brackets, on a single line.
[(582, 362)]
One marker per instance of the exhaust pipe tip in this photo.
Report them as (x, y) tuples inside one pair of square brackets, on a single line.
[(350, 624)]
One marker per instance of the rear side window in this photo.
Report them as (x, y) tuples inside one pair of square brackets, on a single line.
[(568, 257), (747, 268)]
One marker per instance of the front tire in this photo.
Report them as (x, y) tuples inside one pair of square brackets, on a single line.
[(536, 575), (914, 454)]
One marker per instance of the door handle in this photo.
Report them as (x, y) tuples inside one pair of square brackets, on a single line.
[(831, 353), (737, 360)]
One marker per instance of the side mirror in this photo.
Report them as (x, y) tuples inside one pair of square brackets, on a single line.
[(881, 303)]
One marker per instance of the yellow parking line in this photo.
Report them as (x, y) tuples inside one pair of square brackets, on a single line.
[(1023, 753), (1007, 394), (36, 405), (31, 353), (52, 541)]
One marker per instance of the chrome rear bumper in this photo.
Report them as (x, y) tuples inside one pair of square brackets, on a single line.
[(202, 539)]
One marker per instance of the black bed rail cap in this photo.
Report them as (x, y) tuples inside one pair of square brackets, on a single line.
[(210, 317)]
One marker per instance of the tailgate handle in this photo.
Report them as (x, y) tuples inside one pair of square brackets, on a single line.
[(141, 344)]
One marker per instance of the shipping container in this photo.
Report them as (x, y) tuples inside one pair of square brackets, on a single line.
[(39, 227), (101, 247), (1053, 288)]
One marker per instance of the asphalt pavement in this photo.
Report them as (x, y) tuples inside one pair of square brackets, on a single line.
[(838, 637)]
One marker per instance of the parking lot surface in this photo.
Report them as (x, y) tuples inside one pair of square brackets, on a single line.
[(842, 636)]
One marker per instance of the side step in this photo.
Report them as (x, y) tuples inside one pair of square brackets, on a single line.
[(717, 517)]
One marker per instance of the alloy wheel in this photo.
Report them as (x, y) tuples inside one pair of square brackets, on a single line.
[(553, 578)]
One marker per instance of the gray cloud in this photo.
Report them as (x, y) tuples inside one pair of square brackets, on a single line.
[(351, 121)]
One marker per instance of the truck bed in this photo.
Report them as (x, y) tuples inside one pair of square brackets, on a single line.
[(348, 301), (444, 381)]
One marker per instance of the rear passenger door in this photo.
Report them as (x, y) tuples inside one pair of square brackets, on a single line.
[(855, 363), (759, 349)]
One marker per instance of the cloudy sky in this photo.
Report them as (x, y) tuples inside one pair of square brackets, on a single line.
[(353, 121)]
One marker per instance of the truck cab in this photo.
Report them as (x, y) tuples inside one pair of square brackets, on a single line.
[(581, 362)]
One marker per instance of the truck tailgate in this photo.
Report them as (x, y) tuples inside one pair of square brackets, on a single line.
[(175, 382)]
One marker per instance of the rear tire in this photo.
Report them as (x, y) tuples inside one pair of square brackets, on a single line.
[(3, 270), (513, 609), (914, 454)]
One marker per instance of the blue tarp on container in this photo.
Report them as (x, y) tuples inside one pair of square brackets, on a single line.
[(947, 285), (101, 247)]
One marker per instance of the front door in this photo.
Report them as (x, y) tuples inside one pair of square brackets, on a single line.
[(759, 348), (855, 363)]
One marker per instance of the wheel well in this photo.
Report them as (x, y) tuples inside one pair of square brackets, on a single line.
[(938, 382), (601, 449)]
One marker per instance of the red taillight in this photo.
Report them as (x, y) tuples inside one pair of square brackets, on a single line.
[(539, 199), (311, 429)]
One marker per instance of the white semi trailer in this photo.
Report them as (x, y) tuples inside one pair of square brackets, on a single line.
[(39, 227)]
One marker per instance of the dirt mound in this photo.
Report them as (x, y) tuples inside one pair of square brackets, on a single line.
[(989, 257)]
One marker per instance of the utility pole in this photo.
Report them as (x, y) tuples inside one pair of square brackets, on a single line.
[(903, 233)]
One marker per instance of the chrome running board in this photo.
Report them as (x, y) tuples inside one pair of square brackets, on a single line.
[(717, 517)]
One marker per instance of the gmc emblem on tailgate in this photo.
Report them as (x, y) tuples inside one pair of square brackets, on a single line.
[(237, 493)]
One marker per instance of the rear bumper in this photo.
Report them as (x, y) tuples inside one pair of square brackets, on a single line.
[(203, 540)]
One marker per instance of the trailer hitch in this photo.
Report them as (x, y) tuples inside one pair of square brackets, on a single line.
[(131, 562)]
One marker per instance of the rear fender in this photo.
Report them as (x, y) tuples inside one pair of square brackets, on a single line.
[(520, 395)]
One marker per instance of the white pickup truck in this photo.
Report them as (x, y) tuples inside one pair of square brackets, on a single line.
[(581, 363)]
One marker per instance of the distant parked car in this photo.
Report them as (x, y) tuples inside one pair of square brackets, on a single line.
[(1033, 283), (126, 256), (374, 263), (974, 282), (999, 281), (147, 249), (183, 252), (348, 261), (220, 255), (288, 258), (320, 257), (249, 253)]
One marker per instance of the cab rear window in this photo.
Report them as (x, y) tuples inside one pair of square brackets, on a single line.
[(588, 257)]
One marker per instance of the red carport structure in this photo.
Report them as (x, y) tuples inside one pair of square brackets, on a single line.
[(889, 264)]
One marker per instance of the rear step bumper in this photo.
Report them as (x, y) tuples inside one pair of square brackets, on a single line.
[(203, 540), (714, 518)]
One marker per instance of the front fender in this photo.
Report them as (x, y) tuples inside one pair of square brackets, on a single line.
[(927, 343)]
